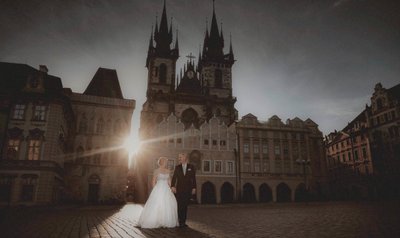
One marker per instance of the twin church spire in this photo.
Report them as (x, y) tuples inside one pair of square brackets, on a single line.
[(213, 44), (162, 37)]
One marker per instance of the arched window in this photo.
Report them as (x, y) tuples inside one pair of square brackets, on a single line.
[(83, 124), (163, 74), (218, 112), (79, 155), (218, 78), (189, 117), (100, 126), (117, 127)]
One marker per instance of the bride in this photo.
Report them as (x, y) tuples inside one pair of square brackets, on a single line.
[(160, 209)]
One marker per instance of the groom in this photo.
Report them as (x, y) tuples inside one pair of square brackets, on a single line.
[(184, 186)]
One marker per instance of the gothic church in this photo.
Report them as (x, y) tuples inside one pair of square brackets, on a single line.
[(193, 111)]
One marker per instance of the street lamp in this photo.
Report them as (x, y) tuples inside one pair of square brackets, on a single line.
[(304, 163)]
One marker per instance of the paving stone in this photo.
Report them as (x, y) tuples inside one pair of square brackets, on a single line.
[(335, 219)]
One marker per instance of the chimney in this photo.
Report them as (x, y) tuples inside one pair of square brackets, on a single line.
[(43, 68)]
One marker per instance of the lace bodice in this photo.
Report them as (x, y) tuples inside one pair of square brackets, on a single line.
[(162, 177)]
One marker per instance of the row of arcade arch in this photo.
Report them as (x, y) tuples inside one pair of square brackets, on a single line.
[(249, 194)]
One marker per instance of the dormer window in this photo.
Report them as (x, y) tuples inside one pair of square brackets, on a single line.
[(34, 82)]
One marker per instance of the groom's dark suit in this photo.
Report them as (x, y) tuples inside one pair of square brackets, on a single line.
[(184, 183)]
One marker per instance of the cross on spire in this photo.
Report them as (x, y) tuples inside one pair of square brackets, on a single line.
[(190, 56)]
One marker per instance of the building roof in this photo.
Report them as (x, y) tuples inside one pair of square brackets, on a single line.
[(360, 117), (13, 78), (395, 91), (105, 83)]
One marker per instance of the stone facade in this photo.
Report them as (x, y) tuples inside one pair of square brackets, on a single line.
[(349, 160), (363, 158), (98, 170), (36, 139), (48, 155), (271, 155)]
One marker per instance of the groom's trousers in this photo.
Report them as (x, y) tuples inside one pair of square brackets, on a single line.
[(183, 202)]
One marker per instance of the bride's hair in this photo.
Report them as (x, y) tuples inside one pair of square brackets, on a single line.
[(160, 159)]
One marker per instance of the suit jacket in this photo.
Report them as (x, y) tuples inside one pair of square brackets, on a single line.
[(184, 183)]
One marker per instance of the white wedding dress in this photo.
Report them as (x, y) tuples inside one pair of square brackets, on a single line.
[(160, 209)]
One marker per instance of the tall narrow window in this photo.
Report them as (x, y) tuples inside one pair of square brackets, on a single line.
[(83, 124), (246, 148), (218, 166), (39, 112), (256, 148), (218, 78), (356, 155), (100, 126), (28, 188), (206, 166), (229, 167), (19, 112), (117, 127), (364, 153), (156, 71), (379, 103), (34, 149), (265, 149), (79, 155), (277, 149), (97, 157), (13, 148), (163, 74)]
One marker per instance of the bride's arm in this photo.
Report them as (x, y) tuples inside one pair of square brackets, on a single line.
[(154, 181), (169, 177)]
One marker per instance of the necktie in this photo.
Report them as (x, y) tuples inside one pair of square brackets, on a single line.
[(184, 169)]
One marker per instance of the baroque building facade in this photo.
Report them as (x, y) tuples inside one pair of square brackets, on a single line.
[(280, 162), (363, 158), (49, 152)]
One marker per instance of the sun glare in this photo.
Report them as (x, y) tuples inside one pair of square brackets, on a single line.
[(132, 145)]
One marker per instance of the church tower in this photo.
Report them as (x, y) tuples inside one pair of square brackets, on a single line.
[(215, 70), (199, 93), (192, 114), (161, 65)]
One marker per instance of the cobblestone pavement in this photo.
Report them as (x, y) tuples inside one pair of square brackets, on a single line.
[(341, 219)]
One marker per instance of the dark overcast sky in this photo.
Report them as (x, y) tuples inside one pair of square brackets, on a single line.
[(317, 59)]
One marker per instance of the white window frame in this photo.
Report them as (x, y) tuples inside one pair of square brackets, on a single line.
[(215, 166), (39, 112), (202, 166), (256, 151), (171, 164), (227, 167), (19, 112), (246, 148)]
